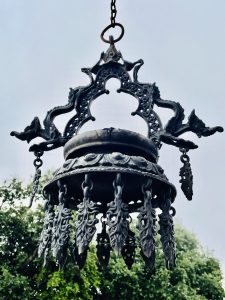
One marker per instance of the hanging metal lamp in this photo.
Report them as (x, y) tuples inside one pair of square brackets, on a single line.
[(111, 173)]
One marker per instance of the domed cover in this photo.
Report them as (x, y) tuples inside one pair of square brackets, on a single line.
[(110, 140)]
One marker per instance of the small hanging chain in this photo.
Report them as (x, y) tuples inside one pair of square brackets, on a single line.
[(113, 13), (37, 163), (186, 174), (113, 24)]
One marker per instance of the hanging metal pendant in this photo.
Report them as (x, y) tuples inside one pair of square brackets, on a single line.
[(186, 175), (117, 216), (149, 261), (103, 246), (80, 259), (147, 219), (46, 234), (37, 163), (86, 217), (128, 251), (61, 227), (167, 231)]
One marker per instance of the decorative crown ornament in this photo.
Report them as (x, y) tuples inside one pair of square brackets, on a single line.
[(111, 173)]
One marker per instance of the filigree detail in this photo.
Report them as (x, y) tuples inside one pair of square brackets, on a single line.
[(147, 219), (46, 234), (52, 136), (128, 251), (112, 65), (103, 246), (117, 217), (167, 231), (86, 218), (186, 175), (61, 228)]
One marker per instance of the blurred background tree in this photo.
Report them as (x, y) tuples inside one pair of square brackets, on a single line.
[(197, 276)]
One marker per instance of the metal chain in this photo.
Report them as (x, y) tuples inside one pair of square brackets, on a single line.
[(87, 186), (184, 157), (113, 13), (146, 189), (118, 186), (112, 24), (62, 192), (37, 163)]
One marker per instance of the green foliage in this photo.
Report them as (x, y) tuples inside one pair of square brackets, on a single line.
[(196, 277)]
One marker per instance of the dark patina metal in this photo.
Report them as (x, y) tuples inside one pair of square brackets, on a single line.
[(112, 172)]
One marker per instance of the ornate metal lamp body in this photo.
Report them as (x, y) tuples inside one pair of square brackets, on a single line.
[(110, 173)]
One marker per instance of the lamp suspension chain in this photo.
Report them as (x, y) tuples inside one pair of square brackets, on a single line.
[(113, 24), (113, 13)]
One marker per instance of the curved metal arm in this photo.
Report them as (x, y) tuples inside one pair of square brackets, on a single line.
[(112, 65), (175, 126)]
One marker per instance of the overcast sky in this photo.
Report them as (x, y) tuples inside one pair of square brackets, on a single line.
[(45, 43)]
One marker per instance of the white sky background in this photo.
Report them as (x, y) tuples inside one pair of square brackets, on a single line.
[(44, 44)]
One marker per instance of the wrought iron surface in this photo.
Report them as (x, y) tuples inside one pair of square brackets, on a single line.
[(117, 217), (86, 218), (61, 228), (147, 219), (167, 232), (112, 65)]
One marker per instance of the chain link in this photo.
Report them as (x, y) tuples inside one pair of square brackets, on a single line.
[(118, 186), (113, 13), (184, 157), (87, 186)]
